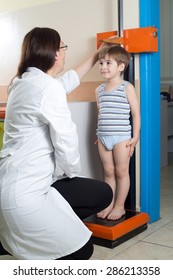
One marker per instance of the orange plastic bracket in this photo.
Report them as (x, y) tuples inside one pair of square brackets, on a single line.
[(104, 37), (138, 40)]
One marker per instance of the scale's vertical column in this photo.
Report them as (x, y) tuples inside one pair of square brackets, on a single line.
[(120, 18), (129, 75), (150, 116)]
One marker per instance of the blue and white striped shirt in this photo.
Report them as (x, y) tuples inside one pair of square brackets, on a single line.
[(114, 112)]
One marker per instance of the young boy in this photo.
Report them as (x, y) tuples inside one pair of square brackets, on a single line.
[(116, 98)]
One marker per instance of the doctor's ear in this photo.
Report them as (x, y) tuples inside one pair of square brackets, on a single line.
[(57, 55)]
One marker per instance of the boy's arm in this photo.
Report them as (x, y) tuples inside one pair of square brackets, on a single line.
[(135, 111), (96, 95)]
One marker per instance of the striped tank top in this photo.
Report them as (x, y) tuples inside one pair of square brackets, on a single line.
[(114, 112)]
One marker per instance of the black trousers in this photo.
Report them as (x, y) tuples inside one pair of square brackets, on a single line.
[(86, 197)]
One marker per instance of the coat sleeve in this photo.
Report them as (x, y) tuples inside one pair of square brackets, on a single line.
[(55, 112), (69, 80)]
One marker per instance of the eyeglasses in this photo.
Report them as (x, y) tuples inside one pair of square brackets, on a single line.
[(64, 47)]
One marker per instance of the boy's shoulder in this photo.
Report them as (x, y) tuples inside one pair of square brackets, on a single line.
[(100, 88), (128, 84)]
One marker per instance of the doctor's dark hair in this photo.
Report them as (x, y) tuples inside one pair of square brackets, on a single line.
[(118, 53), (39, 49)]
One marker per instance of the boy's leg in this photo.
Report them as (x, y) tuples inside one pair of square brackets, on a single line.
[(107, 159), (121, 159)]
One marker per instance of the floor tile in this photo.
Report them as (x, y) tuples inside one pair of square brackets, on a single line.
[(163, 236), (145, 251), (152, 228)]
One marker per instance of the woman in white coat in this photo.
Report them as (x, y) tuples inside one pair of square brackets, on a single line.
[(40, 213)]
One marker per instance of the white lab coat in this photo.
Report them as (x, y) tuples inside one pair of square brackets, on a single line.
[(35, 220)]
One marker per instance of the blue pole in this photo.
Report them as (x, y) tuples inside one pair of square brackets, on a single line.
[(150, 116)]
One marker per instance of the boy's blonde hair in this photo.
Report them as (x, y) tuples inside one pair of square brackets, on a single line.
[(118, 53)]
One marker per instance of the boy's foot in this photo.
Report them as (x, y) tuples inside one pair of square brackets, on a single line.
[(103, 214), (116, 214)]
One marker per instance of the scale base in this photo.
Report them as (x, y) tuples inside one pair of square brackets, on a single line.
[(110, 234)]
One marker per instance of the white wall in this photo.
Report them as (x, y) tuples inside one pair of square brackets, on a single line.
[(166, 52), (14, 5), (78, 22)]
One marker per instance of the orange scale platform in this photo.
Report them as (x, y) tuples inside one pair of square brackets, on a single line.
[(112, 233)]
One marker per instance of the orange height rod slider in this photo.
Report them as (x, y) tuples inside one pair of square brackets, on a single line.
[(137, 40)]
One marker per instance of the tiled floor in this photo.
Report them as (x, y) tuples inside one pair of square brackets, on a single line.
[(155, 243)]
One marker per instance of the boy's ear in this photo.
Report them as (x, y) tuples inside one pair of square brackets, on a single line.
[(121, 67)]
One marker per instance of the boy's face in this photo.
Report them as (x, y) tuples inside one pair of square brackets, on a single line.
[(109, 68)]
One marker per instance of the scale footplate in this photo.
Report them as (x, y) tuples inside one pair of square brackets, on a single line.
[(112, 233)]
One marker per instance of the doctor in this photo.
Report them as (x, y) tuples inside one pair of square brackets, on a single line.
[(40, 213)]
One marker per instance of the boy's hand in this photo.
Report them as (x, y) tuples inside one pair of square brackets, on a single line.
[(132, 144)]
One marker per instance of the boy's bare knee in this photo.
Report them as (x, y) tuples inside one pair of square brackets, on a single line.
[(121, 173), (109, 171)]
